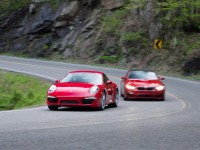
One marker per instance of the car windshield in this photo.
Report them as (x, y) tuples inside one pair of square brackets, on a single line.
[(94, 78), (145, 75)]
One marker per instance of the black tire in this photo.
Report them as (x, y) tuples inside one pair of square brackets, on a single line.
[(122, 95), (53, 108), (103, 102), (163, 99), (115, 104), (125, 98)]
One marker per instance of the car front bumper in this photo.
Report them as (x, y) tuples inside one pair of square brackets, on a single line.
[(90, 101), (136, 94)]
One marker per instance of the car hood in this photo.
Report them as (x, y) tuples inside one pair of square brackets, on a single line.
[(72, 89), (142, 83)]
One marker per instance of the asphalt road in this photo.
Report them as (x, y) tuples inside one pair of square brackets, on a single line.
[(173, 124)]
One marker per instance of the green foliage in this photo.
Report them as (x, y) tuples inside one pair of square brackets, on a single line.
[(182, 14), (45, 47), (6, 6), (134, 4), (108, 59), (133, 50), (132, 36), (189, 43), (18, 91), (113, 22), (134, 41), (55, 3)]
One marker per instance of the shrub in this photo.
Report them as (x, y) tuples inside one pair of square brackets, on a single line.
[(19, 91), (112, 23), (108, 59), (7, 6), (181, 14)]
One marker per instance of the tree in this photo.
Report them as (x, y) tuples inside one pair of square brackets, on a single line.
[(184, 14)]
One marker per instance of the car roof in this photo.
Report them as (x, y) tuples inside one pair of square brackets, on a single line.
[(87, 71), (146, 70)]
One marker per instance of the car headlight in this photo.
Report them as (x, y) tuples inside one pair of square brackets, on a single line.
[(130, 87), (160, 88), (52, 89), (94, 89)]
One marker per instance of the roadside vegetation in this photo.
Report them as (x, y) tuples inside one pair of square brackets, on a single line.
[(7, 6), (21, 91)]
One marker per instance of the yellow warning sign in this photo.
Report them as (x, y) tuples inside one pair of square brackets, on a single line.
[(158, 43)]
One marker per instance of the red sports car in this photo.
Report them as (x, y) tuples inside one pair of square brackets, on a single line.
[(143, 84), (83, 88)]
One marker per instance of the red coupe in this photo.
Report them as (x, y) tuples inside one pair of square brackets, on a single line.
[(83, 88), (143, 84)]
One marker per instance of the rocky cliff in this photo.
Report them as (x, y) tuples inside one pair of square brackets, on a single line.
[(78, 29)]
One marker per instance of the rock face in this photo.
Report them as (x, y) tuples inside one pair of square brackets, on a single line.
[(112, 4), (192, 66), (69, 12), (74, 29)]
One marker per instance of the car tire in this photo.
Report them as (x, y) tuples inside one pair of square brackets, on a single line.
[(53, 108), (125, 97), (103, 102), (163, 99), (122, 95), (115, 104)]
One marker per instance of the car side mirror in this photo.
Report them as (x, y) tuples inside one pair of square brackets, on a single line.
[(109, 82), (161, 78), (123, 77), (57, 81)]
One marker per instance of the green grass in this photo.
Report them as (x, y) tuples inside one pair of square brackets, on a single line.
[(21, 91), (108, 59)]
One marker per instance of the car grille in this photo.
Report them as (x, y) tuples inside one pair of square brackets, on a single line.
[(159, 96), (69, 102), (145, 96), (87, 101), (52, 99), (145, 88)]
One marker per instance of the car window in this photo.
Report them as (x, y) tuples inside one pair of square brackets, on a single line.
[(105, 79), (145, 75), (94, 78)]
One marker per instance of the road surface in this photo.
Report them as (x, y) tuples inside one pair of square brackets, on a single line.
[(172, 124)]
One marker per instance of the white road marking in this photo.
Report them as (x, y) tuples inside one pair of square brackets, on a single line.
[(30, 73), (25, 109), (194, 82)]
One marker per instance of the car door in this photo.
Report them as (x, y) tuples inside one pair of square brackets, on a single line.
[(123, 82), (108, 88)]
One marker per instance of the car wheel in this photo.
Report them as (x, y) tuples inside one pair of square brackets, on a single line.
[(53, 107), (163, 99), (115, 104), (125, 97), (103, 102), (122, 95)]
